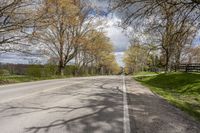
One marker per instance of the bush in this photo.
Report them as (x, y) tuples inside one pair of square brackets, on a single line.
[(70, 70), (49, 70), (34, 71), (4, 72)]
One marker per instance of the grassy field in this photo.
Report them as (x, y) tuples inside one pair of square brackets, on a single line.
[(180, 89), (22, 78)]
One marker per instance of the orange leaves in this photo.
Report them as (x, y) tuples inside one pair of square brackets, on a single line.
[(65, 6), (66, 11)]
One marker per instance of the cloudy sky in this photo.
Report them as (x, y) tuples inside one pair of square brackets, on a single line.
[(113, 31), (117, 37)]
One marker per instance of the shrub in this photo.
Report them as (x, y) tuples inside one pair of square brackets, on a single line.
[(34, 71), (70, 70), (4, 72), (49, 70)]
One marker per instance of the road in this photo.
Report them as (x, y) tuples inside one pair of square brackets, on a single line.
[(88, 105)]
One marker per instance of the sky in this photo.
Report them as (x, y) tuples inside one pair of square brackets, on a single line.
[(118, 38)]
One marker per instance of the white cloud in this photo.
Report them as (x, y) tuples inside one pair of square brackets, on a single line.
[(119, 58), (20, 59), (116, 34), (118, 38)]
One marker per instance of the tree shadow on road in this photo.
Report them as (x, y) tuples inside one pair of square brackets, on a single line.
[(102, 112)]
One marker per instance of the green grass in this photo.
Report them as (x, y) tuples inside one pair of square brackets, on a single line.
[(22, 78), (25, 78), (180, 89)]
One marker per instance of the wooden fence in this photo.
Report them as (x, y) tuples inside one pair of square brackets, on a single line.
[(194, 67)]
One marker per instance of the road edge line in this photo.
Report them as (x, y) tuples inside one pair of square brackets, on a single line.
[(127, 128)]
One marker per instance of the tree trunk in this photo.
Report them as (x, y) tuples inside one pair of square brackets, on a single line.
[(61, 68), (102, 71), (167, 63), (177, 62)]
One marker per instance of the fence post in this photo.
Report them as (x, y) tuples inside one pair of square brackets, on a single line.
[(186, 68)]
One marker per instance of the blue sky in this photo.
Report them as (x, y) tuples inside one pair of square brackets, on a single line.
[(197, 39)]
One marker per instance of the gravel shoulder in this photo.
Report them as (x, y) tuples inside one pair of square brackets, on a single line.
[(150, 113)]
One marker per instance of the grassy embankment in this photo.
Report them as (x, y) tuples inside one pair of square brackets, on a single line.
[(180, 89)]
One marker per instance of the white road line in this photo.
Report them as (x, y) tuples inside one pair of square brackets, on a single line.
[(127, 128)]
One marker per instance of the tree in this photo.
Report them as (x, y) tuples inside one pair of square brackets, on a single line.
[(14, 21), (136, 58), (108, 64), (96, 53), (191, 55), (173, 22), (62, 28)]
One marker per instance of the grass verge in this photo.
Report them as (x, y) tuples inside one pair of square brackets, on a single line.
[(22, 78), (180, 89), (141, 74)]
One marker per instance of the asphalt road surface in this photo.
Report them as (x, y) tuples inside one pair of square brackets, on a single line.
[(88, 105)]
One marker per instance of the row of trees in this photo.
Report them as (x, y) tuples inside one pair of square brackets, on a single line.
[(169, 25), (136, 58), (61, 30)]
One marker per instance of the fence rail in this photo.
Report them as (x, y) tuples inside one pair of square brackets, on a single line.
[(194, 67)]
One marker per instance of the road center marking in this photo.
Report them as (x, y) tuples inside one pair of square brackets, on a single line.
[(127, 128)]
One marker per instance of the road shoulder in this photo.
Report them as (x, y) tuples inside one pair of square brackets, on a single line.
[(150, 113)]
